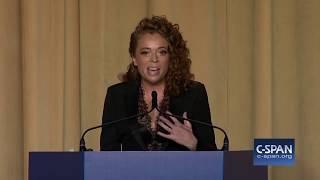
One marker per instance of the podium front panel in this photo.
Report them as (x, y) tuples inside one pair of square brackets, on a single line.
[(56, 166), (153, 165), (142, 165)]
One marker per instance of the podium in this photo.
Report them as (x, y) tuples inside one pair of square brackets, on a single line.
[(145, 165)]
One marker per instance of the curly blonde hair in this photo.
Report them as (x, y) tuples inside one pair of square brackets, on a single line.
[(178, 76)]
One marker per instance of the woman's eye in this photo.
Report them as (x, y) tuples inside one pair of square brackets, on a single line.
[(163, 52), (144, 52)]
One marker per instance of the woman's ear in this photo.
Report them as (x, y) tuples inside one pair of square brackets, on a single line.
[(134, 61)]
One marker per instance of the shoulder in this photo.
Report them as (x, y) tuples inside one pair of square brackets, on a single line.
[(122, 87), (190, 100), (194, 90), (195, 84), (195, 87)]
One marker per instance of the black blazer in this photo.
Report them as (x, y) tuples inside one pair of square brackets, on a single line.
[(122, 101)]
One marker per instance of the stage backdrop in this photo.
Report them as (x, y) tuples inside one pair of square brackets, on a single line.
[(259, 60)]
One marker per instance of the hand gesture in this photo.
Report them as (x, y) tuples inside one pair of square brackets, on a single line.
[(179, 132)]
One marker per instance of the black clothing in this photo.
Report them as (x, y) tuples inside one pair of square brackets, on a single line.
[(122, 101)]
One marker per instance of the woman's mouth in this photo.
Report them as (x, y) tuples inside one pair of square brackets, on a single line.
[(153, 70)]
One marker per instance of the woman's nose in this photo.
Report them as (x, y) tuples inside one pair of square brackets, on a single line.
[(154, 57)]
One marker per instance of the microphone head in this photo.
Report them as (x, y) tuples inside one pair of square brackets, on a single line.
[(154, 99)]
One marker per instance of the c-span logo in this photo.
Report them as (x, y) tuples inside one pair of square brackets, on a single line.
[(273, 152)]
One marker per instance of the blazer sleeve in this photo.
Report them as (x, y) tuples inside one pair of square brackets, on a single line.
[(109, 139), (201, 112)]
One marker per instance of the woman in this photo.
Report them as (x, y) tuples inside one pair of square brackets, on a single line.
[(161, 63)]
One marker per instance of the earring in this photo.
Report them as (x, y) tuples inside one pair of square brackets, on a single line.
[(133, 68)]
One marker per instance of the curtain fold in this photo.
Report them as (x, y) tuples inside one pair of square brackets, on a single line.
[(11, 125), (51, 78), (286, 84), (262, 68), (308, 30)]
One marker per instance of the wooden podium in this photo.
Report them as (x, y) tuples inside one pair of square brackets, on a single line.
[(145, 165)]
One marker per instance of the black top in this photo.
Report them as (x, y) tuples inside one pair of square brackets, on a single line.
[(122, 101)]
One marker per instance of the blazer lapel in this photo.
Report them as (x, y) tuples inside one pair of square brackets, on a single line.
[(132, 109), (132, 98)]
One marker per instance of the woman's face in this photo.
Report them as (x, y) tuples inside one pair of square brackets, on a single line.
[(152, 58)]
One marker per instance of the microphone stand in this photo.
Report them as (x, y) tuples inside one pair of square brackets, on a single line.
[(225, 146), (82, 146)]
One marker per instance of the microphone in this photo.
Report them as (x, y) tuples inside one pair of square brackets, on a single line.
[(225, 146), (82, 146), (154, 99)]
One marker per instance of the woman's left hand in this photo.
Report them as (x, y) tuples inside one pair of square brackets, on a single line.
[(179, 132)]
